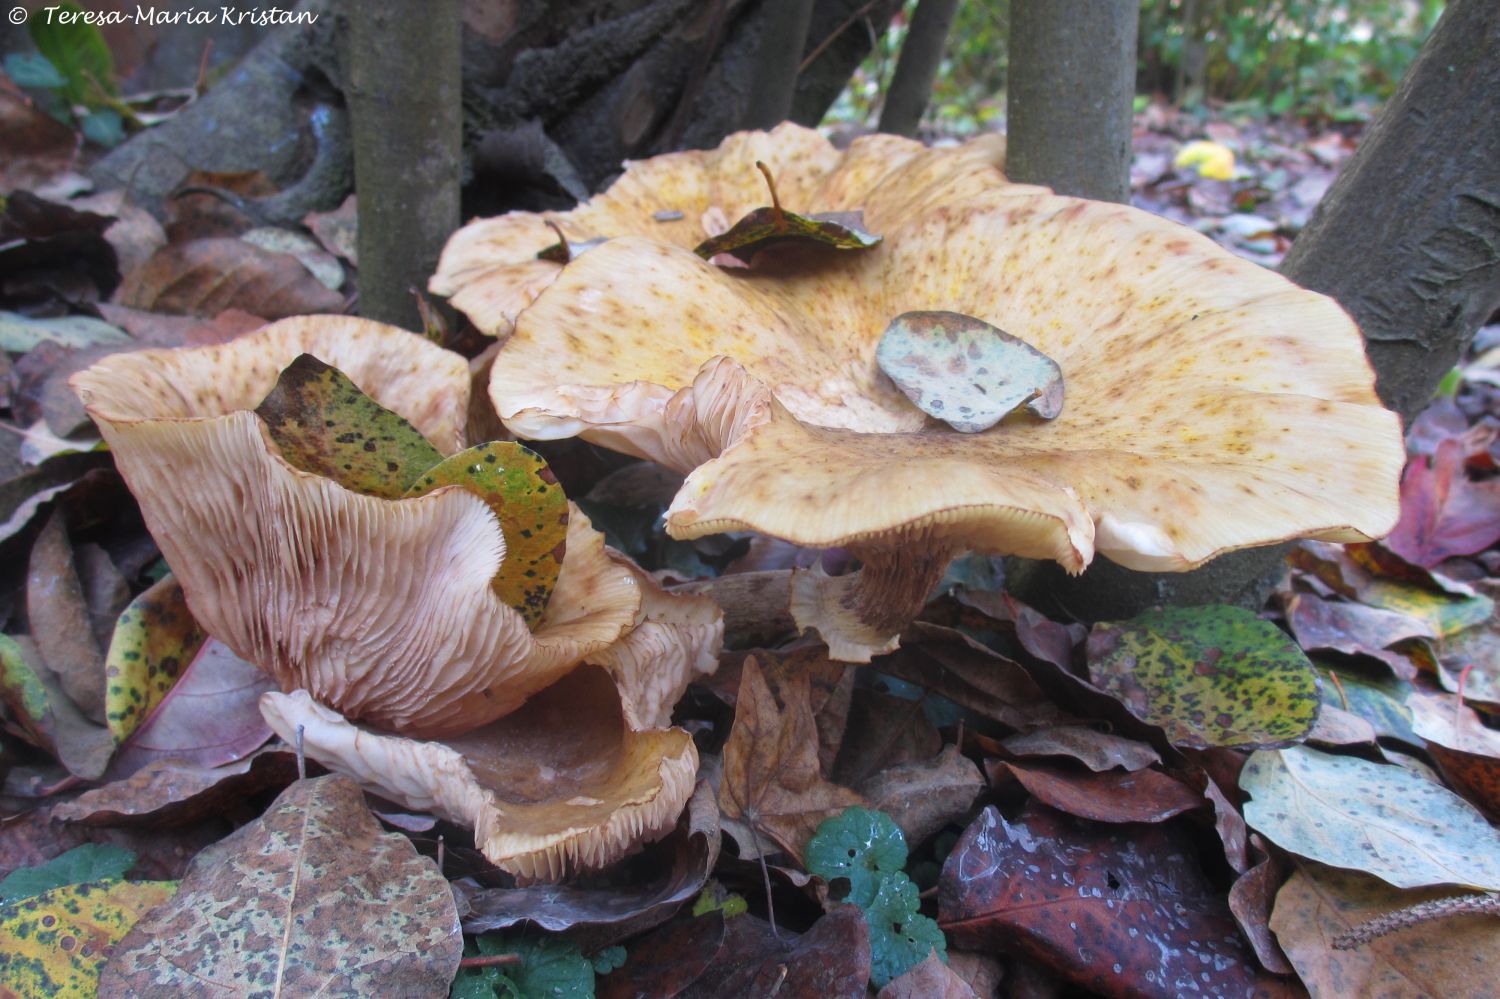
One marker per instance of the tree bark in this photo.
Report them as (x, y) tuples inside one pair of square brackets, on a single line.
[(778, 57), (1408, 237), (1068, 102), (921, 55), (1408, 240), (404, 98)]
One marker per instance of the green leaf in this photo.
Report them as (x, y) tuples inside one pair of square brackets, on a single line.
[(155, 639), (533, 513), (23, 693), (325, 425), (32, 69), (1381, 702), (1209, 676), (765, 227), (550, 968), (103, 127), (608, 959), (89, 862), (965, 372), (1445, 613), (900, 936), (77, 49), (859, 844), (56, 943), (1371, 817)]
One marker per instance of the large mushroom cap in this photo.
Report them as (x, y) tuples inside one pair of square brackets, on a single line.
[(560, 786), (490, 269), (381, 608), (1211, 404)]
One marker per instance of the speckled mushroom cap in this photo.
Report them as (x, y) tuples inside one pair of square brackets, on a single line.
[(381, 608), (489, 268), (1211, 404), (560, 786)]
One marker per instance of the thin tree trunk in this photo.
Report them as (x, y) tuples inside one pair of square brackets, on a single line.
[(1068, 103), (1408, 240), (921, 55), (774, 83), (404, 97)]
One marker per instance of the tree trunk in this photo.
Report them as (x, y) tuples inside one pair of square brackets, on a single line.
[(1068, 103), (778, 57), (403, 91), (921, 55), (1408, 240)]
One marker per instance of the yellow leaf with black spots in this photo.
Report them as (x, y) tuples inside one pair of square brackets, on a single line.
[(155, 638)]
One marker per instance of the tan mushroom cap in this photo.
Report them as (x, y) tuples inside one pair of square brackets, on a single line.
[(563, 785), (1211, 404), (381, 608), (489, 268)]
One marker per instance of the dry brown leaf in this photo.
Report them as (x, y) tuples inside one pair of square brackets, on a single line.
[(59, 617), (922, 796), (172, 792), (204, 277), (771, 775), (932, 979)]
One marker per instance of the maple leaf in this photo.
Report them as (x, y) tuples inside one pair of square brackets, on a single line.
[(772, 779)]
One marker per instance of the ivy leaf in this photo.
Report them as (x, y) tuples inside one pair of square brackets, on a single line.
[(89, 862), (900, 936), (965, 372), (324, 424), (765, 227), (861, 845), (1209, 676), (533, 513), (550, 968)]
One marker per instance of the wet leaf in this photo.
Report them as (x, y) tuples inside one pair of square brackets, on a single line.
[(950, 663), (173, 793), (1118, 910), (549, 966), (89, 862), (1383, 820), (1444, 512), (155, 639), (310, 897), (666, 960), (900, 936), (1139, 796), (204, 277), (965, 372), (1250, 899), (57, 942), (932, 979), (533, 513), (766, 227), (1456, 956), (862, 846), (1467, 750), (772, 779), (923, 796), (324, 424), (1209, 676), (211, 716), (1096, 750), (829, 961)]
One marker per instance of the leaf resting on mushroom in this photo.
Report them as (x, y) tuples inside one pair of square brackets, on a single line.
[(765, 227), (965, 372)]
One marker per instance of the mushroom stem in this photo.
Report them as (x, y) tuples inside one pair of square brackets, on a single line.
[(771, 183), (862, 615)]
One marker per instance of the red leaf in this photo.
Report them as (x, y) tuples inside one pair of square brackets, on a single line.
[(1444, 512)]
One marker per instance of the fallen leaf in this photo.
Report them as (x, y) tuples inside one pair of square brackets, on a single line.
[(1213, 160), (766, 227), (324, 424), (314, 897), (1096, 750), (318, 261), (1250, 899), (46, 715), (89, 862), (666, 960), (1122, 911), (337, 230), (1444, 512), (1456, 956), (155, 638), (35, 837), (19, 334), (524, 495), (1133, 796), (169, 792), (1050, 641), (923, 796), (1378, 700), (932, 979), (965, 372), (1383, 820), (204, 277), (59, 619), (23, 495), (210, 717), (771, 775), (57, 942), (1209, 676), (829, 961), (861, 846), (1467, 750), (1473, 653), (1345, 626), (950, 663)]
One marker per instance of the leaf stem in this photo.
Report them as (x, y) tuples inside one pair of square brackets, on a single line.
[(489, 960), (771, 183)]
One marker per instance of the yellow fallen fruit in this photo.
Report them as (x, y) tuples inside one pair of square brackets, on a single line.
[(1211, 159)]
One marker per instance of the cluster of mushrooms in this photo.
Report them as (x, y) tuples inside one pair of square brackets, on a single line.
[(1211, 405)]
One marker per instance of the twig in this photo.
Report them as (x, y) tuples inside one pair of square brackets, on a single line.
[(489, 960), (301, 757), (1415, 915), (834, 34)]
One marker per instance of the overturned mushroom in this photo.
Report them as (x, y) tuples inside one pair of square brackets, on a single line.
[(1212, 405), (491, 271)]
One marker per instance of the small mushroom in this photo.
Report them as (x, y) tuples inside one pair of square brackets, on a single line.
[(560, 786), (490, 270), (1212, 405)]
